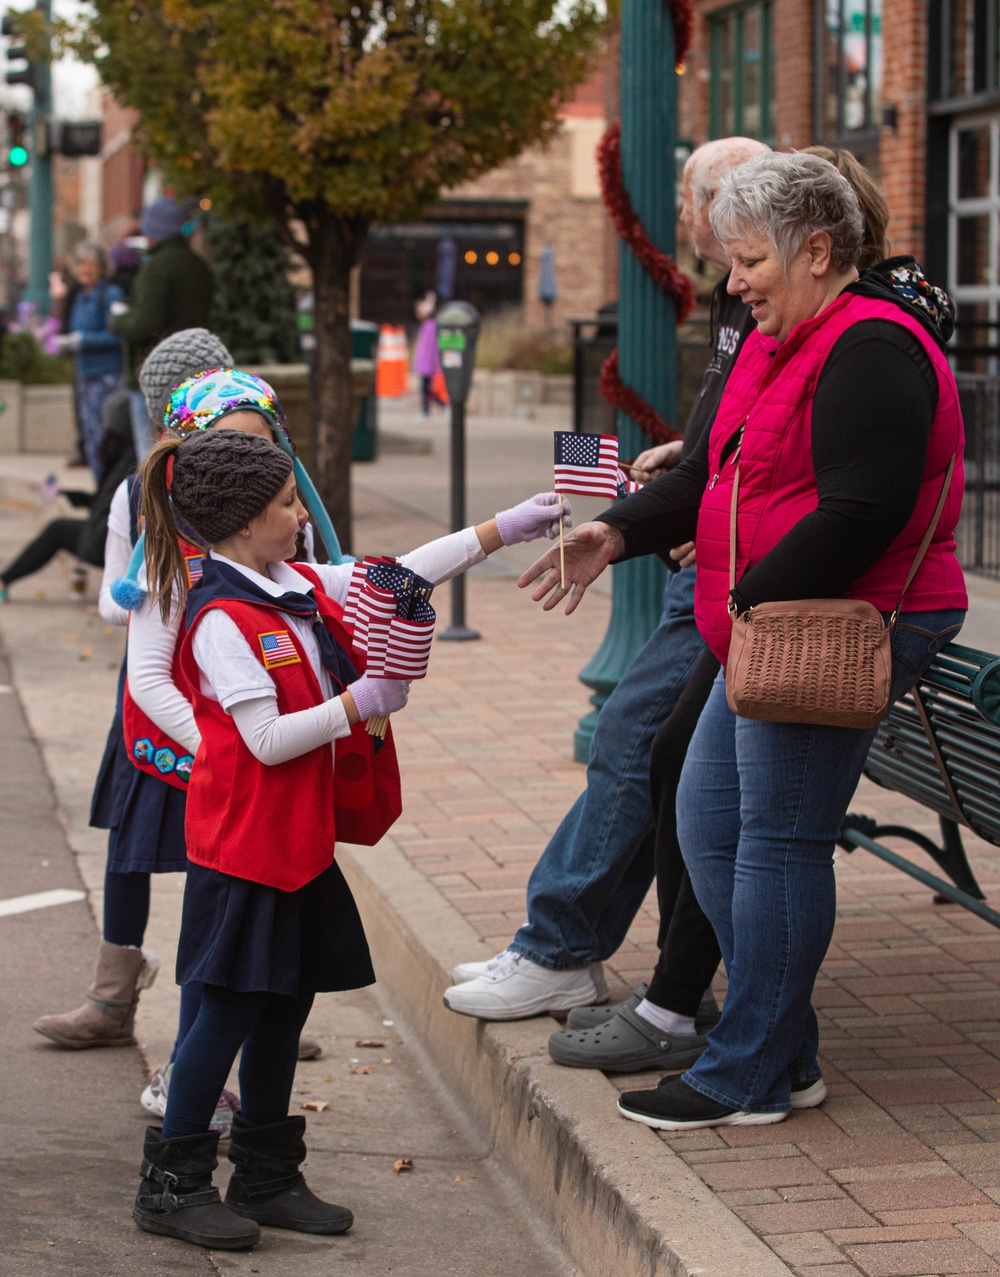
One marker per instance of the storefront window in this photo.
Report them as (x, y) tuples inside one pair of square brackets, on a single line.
[(742, 69), (848, 67)]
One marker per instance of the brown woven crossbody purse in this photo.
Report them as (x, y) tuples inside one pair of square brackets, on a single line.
[(825, 661)]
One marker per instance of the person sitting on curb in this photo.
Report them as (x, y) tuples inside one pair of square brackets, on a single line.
[(595, 872)]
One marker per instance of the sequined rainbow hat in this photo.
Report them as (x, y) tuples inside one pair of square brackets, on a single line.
[(199, 402)]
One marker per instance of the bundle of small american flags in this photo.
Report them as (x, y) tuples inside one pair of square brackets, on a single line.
[(389, 608)]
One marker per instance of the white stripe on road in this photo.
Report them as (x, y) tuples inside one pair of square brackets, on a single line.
[(40, 900)]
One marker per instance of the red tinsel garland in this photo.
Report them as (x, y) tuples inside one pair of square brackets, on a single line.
[(660, 266), (645, 416)]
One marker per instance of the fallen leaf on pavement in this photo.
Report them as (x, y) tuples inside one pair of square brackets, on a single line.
[(363, 1068), (404, 1164), (315, 1106), (328, 1078), (85, 654), (387, 1060), (370, 1042), (458, 1179)]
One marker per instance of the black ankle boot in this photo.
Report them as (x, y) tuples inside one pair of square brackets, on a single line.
[(267, 1185), (177, 1196)]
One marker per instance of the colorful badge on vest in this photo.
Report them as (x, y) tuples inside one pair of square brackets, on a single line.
[(195, 564), (277, 648)]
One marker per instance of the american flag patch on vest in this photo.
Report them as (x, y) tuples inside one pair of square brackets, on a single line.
[(277, 649), (195, 564)]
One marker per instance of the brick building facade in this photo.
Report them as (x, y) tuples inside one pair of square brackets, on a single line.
[(911, 86)]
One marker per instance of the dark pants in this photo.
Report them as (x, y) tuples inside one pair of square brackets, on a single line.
[(267, 1027), (689, 951), (60, 534)]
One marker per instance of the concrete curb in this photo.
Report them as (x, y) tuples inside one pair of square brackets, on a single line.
[(617, 1197)]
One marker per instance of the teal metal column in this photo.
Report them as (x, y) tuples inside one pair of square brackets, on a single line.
[(646, 324), (40, 194)]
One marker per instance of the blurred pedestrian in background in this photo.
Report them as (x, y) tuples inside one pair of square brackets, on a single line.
[(425, 355), (83, 537), (96, 351), (173, 290)]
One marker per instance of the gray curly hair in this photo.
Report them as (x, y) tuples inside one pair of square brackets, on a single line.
[(787, 198)]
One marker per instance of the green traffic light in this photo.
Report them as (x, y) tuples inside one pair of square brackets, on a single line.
[(17, 157)]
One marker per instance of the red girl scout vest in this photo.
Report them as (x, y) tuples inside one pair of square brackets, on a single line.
[(277, 824), (149, 747)]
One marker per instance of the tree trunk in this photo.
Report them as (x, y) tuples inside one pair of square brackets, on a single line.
[(333, 250)]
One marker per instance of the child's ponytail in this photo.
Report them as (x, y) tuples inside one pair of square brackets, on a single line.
[(164, 561)]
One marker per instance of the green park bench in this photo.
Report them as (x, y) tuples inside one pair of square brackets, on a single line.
[(940, 746)]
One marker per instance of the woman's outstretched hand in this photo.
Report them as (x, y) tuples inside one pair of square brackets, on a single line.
[(588, 551), (537, 517)]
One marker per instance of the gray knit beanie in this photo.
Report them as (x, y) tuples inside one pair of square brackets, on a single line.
[(223, 478), (177, 357)]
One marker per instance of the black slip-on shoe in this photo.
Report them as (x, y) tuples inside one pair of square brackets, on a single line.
[(675, 1106)]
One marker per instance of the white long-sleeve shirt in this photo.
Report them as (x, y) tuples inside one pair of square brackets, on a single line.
[(233, 675)]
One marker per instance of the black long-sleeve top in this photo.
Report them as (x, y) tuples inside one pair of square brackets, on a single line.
[(873, 409)]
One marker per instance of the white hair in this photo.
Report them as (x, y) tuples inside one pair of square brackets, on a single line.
[(787, 198), (709, 163)]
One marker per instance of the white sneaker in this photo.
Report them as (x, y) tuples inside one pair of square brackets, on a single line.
[(154, 1097), (473, 970), (515, 988)]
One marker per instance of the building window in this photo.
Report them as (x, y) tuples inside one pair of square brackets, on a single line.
[(974, 229), (848, 69), (742, 71), (968, 48)]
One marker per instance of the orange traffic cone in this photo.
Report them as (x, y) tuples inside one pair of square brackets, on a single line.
[(392, 377)]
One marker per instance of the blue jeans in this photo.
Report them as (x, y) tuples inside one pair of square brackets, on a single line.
[(142, 431), (595, 872), (91, 393), (759, 810)]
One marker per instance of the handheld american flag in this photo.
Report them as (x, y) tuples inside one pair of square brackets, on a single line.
[(626, 486), (359, 574), (408, 648), (376, 608), (51, 487), (586, 464)]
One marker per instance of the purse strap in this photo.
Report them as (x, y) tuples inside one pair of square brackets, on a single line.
[(918, 558)]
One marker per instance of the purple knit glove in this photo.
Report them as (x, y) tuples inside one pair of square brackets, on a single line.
[(376, 696), (534, 518)]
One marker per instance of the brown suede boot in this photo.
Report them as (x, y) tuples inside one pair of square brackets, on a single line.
[(108, 1016)]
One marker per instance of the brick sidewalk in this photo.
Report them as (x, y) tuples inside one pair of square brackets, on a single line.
[(898, 1174)]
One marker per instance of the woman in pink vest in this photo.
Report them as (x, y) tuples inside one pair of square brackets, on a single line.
[(844, 415)]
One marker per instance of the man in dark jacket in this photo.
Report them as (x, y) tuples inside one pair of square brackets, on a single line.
[(173, 290)]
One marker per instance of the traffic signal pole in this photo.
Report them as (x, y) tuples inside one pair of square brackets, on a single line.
[(40, 197)]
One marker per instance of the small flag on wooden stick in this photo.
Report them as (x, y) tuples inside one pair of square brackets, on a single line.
[(586, 464)]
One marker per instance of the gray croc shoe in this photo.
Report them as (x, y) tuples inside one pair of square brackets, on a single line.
[(592, 1017), (625, 1044)]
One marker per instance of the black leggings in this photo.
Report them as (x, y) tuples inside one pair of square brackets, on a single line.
[(689, 951), (60, 534), (126, 908), (267, 1026)]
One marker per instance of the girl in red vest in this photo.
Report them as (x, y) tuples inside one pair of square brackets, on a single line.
[(268, 918)]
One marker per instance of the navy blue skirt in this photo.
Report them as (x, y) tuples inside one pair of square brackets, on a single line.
[(144, 814), (250, 938)]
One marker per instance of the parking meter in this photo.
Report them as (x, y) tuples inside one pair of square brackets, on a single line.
[(457, 332)]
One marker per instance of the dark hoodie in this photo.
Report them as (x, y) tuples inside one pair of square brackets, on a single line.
[(872, 414)]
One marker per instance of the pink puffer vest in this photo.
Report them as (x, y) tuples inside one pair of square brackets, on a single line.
[(770, 393)]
